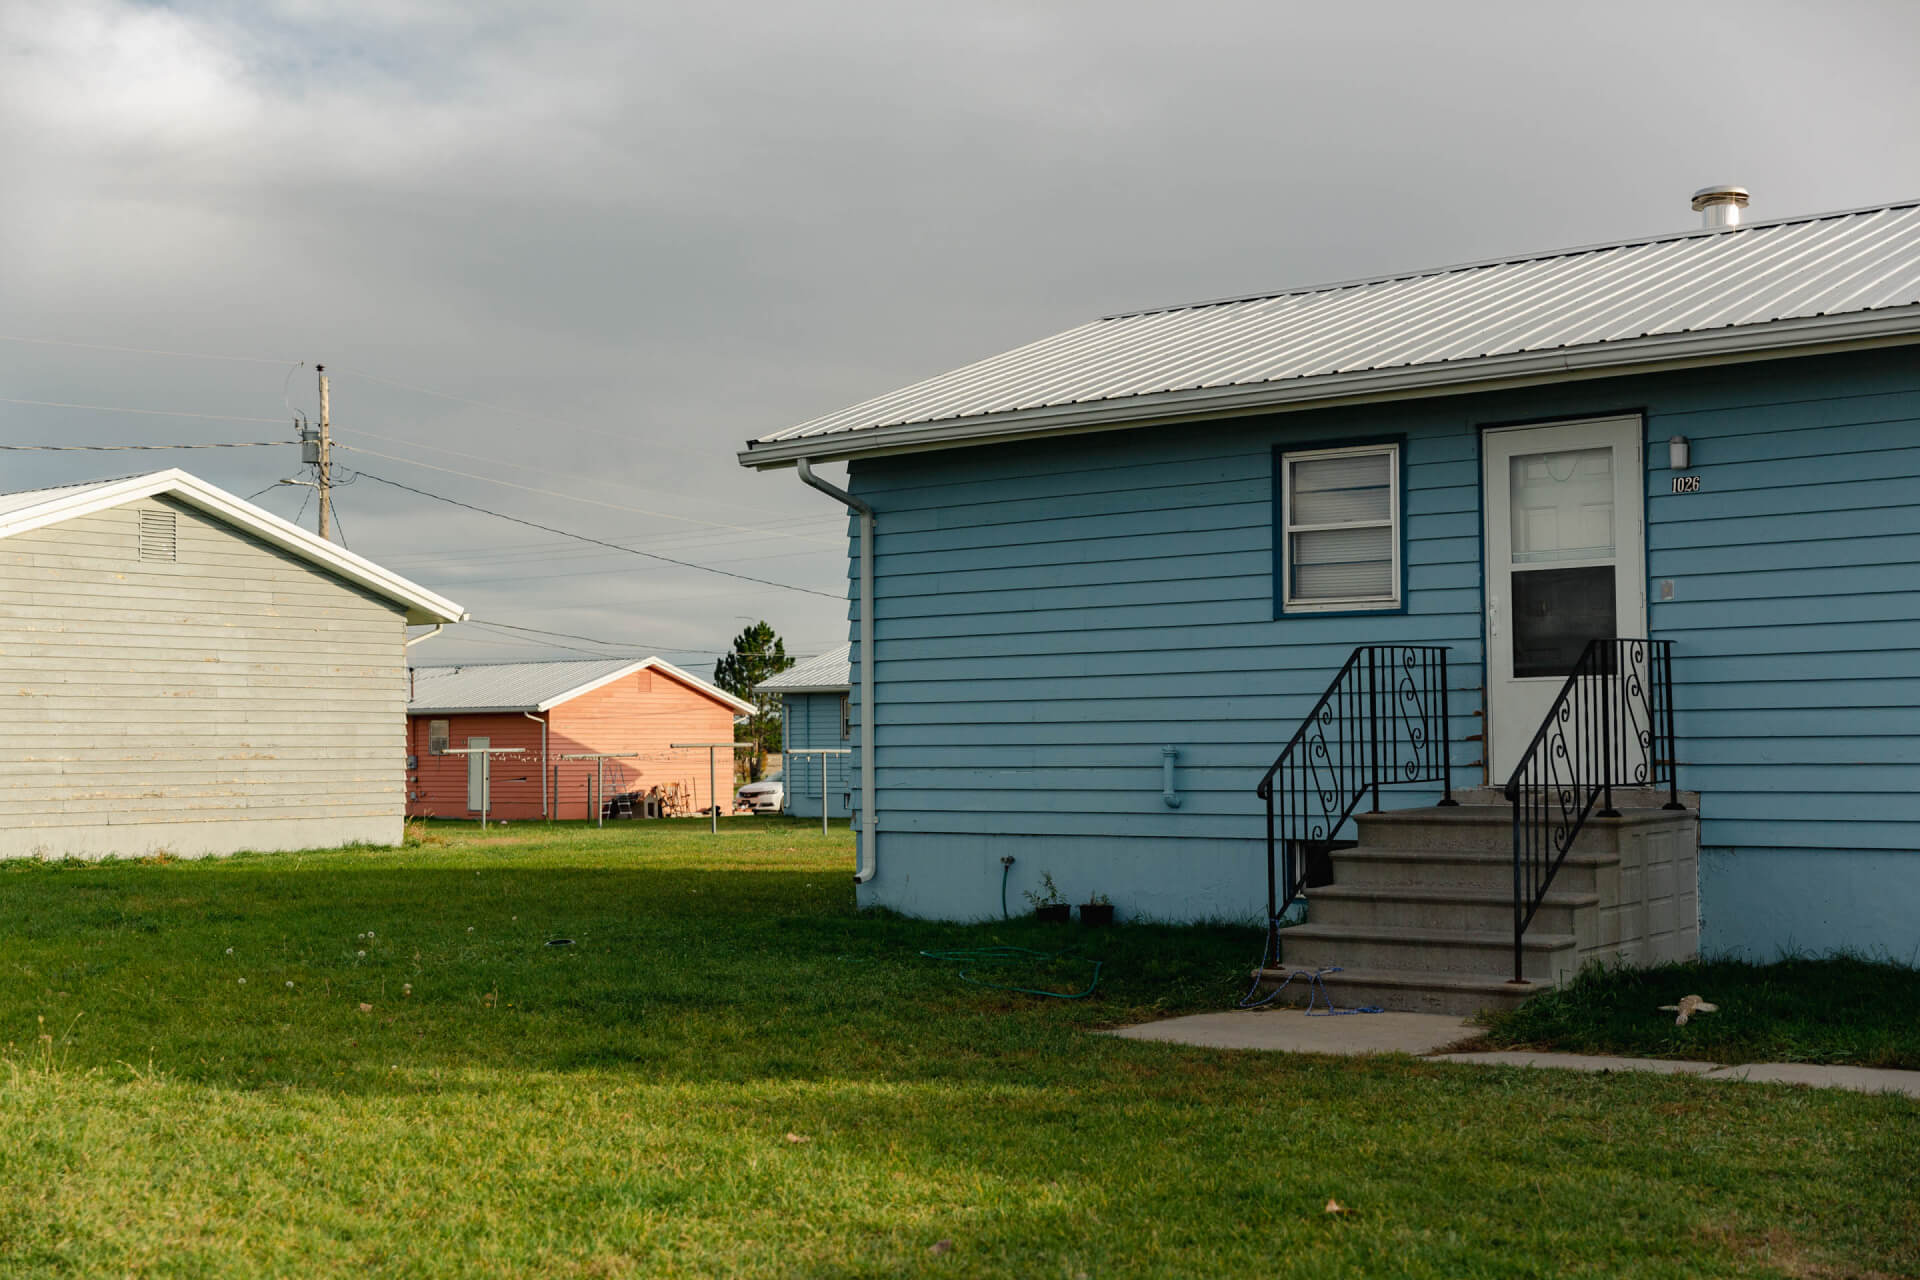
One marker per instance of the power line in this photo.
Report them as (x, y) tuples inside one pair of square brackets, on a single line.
[(570, 497), (157, 413), (612, 644), (623, 436), (599, 542), (520, 466), (482, 404), (144, 351), (679, 540), (116, 448), (555, 644)]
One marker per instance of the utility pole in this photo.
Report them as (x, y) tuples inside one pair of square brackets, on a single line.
[(326, 455)]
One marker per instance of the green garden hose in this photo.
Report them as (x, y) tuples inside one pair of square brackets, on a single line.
[(975, 955)]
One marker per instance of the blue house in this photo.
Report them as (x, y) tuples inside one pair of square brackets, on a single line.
[(816, 718), (1169, 604)]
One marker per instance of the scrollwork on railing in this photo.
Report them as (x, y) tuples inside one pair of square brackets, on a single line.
[(1382, 721), (1611, 726)]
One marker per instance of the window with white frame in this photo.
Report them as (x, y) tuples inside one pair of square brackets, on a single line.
[(1340, 529)]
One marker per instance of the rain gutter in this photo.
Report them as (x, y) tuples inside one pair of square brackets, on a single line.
[(869, 820)]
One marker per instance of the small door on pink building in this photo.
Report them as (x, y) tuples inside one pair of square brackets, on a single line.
[(477, 772)]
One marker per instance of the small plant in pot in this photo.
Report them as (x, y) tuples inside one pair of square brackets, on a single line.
[(1049, 905), (1097, 910)]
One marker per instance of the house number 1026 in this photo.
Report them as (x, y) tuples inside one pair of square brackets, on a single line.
[(1686, 484)]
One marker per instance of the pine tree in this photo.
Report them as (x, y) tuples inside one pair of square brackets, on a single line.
[(757, 654)]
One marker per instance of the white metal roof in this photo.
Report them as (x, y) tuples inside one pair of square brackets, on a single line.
[(37, 508), (1795, 285), (538, 686), (831, 672)]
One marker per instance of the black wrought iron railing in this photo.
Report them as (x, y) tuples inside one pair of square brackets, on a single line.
[(1611, 727), (1382, 722)]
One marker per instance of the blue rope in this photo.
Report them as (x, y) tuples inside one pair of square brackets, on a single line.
[(1314, 986), (976, 954)]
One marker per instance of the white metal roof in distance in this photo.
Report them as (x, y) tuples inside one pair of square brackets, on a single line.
[(831, 672), (37, 508), (507, 687), (1796, 284)]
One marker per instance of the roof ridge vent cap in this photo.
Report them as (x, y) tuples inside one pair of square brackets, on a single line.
[(1720, 205)]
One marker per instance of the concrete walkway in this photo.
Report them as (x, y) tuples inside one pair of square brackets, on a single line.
[(1292, 1031), (1430, 1035)]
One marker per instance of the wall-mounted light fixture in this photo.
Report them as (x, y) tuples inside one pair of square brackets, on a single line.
[(1679, 455)]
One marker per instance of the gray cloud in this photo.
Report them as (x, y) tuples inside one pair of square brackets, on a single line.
[(648, 232)]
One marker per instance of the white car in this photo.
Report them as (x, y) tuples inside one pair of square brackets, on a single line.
[(764, 796)]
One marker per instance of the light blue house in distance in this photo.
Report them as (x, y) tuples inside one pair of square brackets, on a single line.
[(1121, 573), (815, 716)]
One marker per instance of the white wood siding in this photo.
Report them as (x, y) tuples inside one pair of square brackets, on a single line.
[(234, 697)]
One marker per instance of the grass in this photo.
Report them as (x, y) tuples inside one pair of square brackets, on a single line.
[(1832, 1010), (732, 1072)]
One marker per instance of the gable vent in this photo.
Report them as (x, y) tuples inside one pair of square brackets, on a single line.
[(157, 536)]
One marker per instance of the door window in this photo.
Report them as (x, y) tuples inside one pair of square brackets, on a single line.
[(1563, 594)]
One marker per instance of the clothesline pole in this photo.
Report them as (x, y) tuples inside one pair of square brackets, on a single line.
[(713, 776)]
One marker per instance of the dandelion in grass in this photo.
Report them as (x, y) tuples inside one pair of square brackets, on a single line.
[(361, 954), (289, 986), (243, 982), (229, 950)]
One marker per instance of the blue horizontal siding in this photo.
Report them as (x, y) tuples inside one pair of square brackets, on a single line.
[(813, 720), (1050, 614), (1762, 903)]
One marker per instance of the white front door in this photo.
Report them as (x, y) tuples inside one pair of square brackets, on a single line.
[(1566, 562), (478, 774)]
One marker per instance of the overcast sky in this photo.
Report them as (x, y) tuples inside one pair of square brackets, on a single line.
[(579, 252)]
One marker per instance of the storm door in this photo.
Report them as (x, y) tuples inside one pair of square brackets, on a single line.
[(1566, 562)]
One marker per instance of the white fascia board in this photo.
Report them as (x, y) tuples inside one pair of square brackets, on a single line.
[(785, 690), (570, 694), (1815, 335), (739, 705), (469, 711), (652, 664), (423, 606)]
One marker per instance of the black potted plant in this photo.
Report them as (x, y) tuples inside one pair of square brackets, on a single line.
[(1049, 906), (1097, 910)]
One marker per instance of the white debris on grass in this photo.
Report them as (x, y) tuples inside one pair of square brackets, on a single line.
[(1688, 1006)]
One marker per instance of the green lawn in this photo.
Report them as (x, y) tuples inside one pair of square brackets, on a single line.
[(731, 1072), (1836, 1010)]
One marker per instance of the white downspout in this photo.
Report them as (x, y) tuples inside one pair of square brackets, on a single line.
[(545, 814), (869, 820), (411, 641)]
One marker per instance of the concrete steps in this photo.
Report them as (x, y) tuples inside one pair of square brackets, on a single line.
[(1458, 994), (1420, 914), (1457, 951), (1465, 870), (1454, 908)]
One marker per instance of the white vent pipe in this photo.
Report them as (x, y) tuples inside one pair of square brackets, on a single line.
[(1720, 206)]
